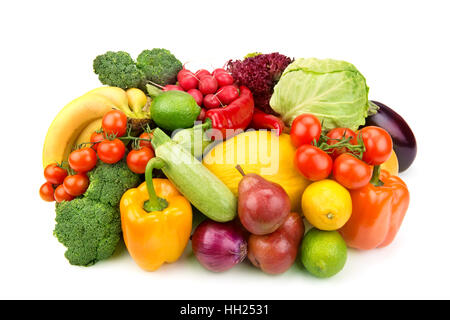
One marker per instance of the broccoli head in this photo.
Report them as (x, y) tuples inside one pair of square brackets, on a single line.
[(89, 229), (159, 66), (89, 226), (118, 69), (108, 182)]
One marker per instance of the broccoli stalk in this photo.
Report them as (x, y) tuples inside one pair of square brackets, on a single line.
[(89, 226)]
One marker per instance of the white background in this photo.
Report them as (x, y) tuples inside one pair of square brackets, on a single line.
[(47, 48)]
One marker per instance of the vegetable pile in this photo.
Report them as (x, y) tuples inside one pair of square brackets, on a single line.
[(283, 159)]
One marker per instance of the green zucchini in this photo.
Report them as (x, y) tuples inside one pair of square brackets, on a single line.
[(197, 184)]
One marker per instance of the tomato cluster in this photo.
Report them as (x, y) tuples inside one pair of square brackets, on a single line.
[(106, 146), (210, 90), (347, 155)]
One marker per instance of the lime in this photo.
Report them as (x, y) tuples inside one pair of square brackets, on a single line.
[(172, 110), (323, 253)]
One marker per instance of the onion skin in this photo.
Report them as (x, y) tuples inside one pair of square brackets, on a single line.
[(219, 246), (405, 145)]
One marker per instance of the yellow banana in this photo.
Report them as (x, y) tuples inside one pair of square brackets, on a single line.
[(70, 122), (85, 135)]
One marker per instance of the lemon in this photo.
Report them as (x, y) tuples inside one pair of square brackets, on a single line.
[(323, 253), (326, 205)]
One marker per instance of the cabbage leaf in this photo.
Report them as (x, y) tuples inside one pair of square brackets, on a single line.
[(334, 91)]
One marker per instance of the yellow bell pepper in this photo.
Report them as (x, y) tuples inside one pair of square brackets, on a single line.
[(156, 222)]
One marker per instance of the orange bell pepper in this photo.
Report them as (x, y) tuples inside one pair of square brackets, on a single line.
[(378, 212), (156, 222)]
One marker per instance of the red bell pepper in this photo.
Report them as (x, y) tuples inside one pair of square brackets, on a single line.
[(236, 116), (378, 211), (262, 120)]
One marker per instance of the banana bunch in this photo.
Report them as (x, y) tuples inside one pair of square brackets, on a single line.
[(75, 123)]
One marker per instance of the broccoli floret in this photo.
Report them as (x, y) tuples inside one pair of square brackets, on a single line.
[(89, 226), (118, 69), (89, 229), (108, 182), (159, 66)]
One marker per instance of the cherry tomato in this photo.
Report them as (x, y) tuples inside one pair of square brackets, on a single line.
[(314, 164), (61, 194), (95, 138), (305, 129), (351, 172), (378, 145), (144, 143), (76, 184), (83, 160), (137, 159), (111, 151), (54, 174), (337, 134), (47, 192), (115, 122)]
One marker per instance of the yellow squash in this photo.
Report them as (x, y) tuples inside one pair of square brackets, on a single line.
[(259, 152)]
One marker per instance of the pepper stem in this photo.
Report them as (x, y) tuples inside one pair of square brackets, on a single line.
[(376, 177), (154, 203)]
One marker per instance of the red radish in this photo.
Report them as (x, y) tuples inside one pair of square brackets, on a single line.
[(224, 79), (207, 85), (202, 115), (183, 72), (227, 94), (171, 87), (198, 96), (201, 73), (218, 70), (211, 101), (187, 80)]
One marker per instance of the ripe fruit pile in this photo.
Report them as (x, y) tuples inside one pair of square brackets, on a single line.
[(64, 184)]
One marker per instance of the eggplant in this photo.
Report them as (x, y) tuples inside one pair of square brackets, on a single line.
[(403, 139)]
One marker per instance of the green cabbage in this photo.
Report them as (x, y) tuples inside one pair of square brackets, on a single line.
[(335, 91)]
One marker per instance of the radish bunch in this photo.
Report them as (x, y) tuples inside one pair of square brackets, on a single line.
[(210, 90)]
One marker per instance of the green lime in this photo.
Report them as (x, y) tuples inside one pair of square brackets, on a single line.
[(172, 110), (323, 253)]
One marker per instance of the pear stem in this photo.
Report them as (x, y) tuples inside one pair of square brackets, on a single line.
[(239, 168)]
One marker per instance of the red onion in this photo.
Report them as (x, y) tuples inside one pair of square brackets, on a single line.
[(219, 246)]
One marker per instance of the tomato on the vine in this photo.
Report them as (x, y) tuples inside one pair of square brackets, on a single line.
[(54, 174), (305, 129), (137, 159), (145, 143), (76, 184), (378, 144), (46, 192), (351, 172), (111, 151), (313, 163), (61, 194), (96, 138), (83, 160), (114, 122), (337, 134)]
